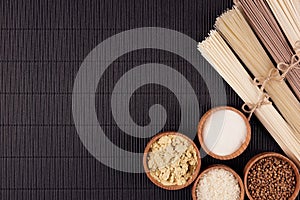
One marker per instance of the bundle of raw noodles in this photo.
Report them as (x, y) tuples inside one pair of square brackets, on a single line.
[(265, 25), (234, 39)]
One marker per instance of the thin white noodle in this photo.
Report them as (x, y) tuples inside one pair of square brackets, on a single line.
[(287, 13)]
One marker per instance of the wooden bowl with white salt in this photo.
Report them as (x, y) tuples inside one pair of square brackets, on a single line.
[(224, 132), (218, 182), (171, 161)]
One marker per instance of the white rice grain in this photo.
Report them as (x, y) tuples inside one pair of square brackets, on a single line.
[(218, 184)]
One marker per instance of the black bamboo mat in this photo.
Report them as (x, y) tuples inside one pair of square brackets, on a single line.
[(43, 44)]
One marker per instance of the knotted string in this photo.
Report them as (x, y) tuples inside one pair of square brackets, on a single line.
[(262, 81), (273, 74), (251, 107), (263, 97), (294, 64)]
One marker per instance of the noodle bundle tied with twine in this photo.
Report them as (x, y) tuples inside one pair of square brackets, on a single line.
[(221, 57), (294, 64), (264, 24), (234, 28)]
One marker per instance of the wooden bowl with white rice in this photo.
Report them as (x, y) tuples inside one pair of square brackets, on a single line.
[(218, 182)]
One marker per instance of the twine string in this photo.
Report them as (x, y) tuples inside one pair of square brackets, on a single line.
[(285, 68), (274, 74), (251, 107), (261, 82)]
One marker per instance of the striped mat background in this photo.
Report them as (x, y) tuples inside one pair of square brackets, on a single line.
[(42, 45)]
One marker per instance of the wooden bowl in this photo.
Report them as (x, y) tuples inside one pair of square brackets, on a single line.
[(256, 158), (238, 151), (194, 195), (157, 183)]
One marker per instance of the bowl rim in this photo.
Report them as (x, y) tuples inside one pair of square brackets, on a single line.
[(147, 171), (260, 156), (219, 166), (239, 151)]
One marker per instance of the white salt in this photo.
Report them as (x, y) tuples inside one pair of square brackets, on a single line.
[(224, 132)]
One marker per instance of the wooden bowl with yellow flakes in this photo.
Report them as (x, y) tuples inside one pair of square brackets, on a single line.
[(171, 160)]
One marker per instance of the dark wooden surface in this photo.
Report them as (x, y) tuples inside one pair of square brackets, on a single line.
[(42, 44)]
